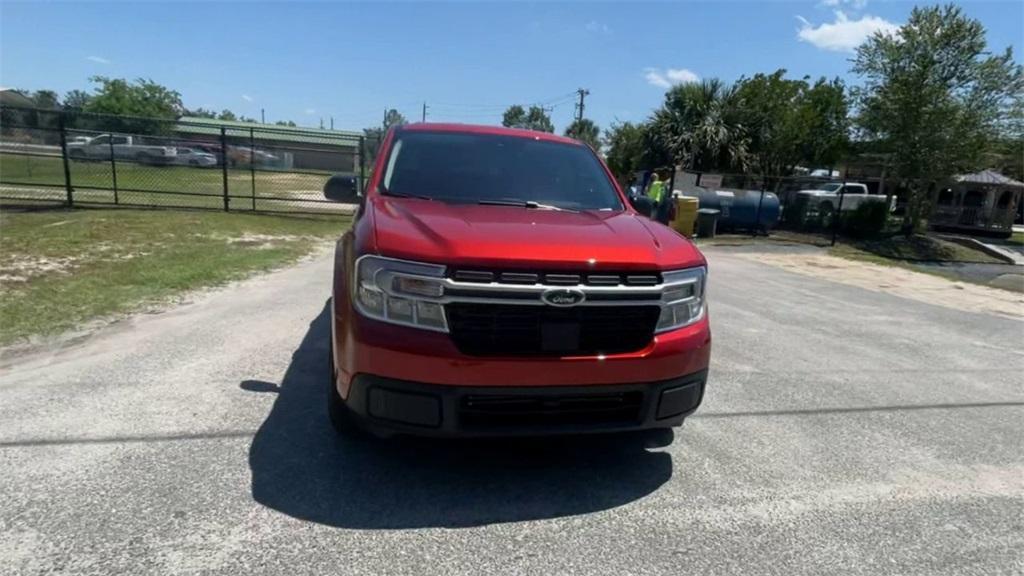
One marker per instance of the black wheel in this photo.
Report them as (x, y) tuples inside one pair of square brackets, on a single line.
[(77, 155), (341, 417), (825, 214), (194, 162)]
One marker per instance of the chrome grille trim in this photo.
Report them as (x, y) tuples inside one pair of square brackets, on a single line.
[(530, 294)]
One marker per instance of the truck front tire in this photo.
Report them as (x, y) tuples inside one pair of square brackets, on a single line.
[(825, 214)]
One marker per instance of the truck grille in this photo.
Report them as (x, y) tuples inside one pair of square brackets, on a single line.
[(525, 330)]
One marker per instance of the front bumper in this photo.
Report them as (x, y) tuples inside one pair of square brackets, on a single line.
[(387, 405)]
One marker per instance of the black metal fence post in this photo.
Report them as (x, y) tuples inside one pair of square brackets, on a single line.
[(252, 166), (224, 163), (837, 218), (64, 155), (757, 218), (362, 164), (113, 166)]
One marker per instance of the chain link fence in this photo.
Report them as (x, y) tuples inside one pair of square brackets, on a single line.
[(72, 158)]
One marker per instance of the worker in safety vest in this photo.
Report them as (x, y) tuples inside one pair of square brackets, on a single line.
[(656, 189), (660, 199)]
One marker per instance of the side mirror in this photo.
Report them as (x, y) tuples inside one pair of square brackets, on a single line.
[(342, 188)]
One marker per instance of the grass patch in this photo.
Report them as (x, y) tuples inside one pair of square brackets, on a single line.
[(913, 249), (1016, 238), (60, 268)]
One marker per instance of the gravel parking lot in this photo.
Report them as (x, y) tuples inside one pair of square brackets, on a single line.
[(844, 431)]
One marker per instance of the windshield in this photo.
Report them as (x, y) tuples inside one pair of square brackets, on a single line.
[(831, 187), (473, 168)]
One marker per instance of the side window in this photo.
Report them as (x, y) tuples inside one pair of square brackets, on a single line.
[(99, 141)]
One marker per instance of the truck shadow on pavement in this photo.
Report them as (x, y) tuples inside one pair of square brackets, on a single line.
[(301, 468)]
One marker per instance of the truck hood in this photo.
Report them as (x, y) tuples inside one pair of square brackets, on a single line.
[(513, 237)]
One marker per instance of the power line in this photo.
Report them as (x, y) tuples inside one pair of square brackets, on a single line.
[(545, 102)]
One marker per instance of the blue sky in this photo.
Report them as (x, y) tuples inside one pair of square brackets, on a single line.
[(306, 61)]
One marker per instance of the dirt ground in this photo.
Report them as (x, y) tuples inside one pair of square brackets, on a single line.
[(900, 282)]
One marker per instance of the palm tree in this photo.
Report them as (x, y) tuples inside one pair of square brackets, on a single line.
[(700, 125)]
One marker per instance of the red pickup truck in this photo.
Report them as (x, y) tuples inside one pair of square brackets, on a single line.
[(497, 282)]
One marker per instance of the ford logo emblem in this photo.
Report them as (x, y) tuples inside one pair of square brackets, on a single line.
[(563, 297)]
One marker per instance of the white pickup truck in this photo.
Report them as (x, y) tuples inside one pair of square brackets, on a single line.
[(123, 148), (825, 198)]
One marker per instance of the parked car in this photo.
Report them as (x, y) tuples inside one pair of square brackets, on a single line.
[(193, 157), (824, 199), (497, 282), (123, 148), (245, 155)]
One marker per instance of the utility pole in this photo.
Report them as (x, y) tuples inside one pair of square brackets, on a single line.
[(321, 122), (384, 124), (583, 92), (332, 122), (423, 118), (263, 117)]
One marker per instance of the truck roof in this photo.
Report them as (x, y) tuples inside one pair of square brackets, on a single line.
[(481, 129)]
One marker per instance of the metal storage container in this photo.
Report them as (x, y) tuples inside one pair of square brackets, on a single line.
[(739, 208)]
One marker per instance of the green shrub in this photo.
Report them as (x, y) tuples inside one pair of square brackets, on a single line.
[(867, 220)]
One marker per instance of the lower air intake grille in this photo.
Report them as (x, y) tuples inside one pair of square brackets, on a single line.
[(518, 330), (486, 410)]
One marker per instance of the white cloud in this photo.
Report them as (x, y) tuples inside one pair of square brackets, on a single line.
[(595, 27), (854, 4), (843, 35), (247, 98), (310, 111), (97, 59), (669, 77)]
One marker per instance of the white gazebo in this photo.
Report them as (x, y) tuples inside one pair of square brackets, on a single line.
[(984, 202)]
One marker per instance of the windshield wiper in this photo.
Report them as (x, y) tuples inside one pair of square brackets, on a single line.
[(523, 204), (400, 195)]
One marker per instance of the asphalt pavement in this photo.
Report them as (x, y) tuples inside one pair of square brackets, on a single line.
[(844, 431)]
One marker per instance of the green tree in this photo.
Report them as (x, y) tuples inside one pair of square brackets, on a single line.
[(536, 118), (201, 113), (227, 116), (142, 100), (141, 97), (826, 123), (76, 99), (790, 121), (46, 99), (585, 131), (514, 117), (633, 147), (700, 126), (935, 99), (285, 123)]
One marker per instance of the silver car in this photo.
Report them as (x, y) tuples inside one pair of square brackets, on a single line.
[(193, 157)]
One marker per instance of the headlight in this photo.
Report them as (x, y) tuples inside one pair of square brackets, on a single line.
[(400, 292), (682, 298)]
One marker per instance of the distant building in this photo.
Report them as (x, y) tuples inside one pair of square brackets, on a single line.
[(11, 97), (985, 202), (276, 147)]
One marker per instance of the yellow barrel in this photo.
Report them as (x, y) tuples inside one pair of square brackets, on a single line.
[(686, 215)]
